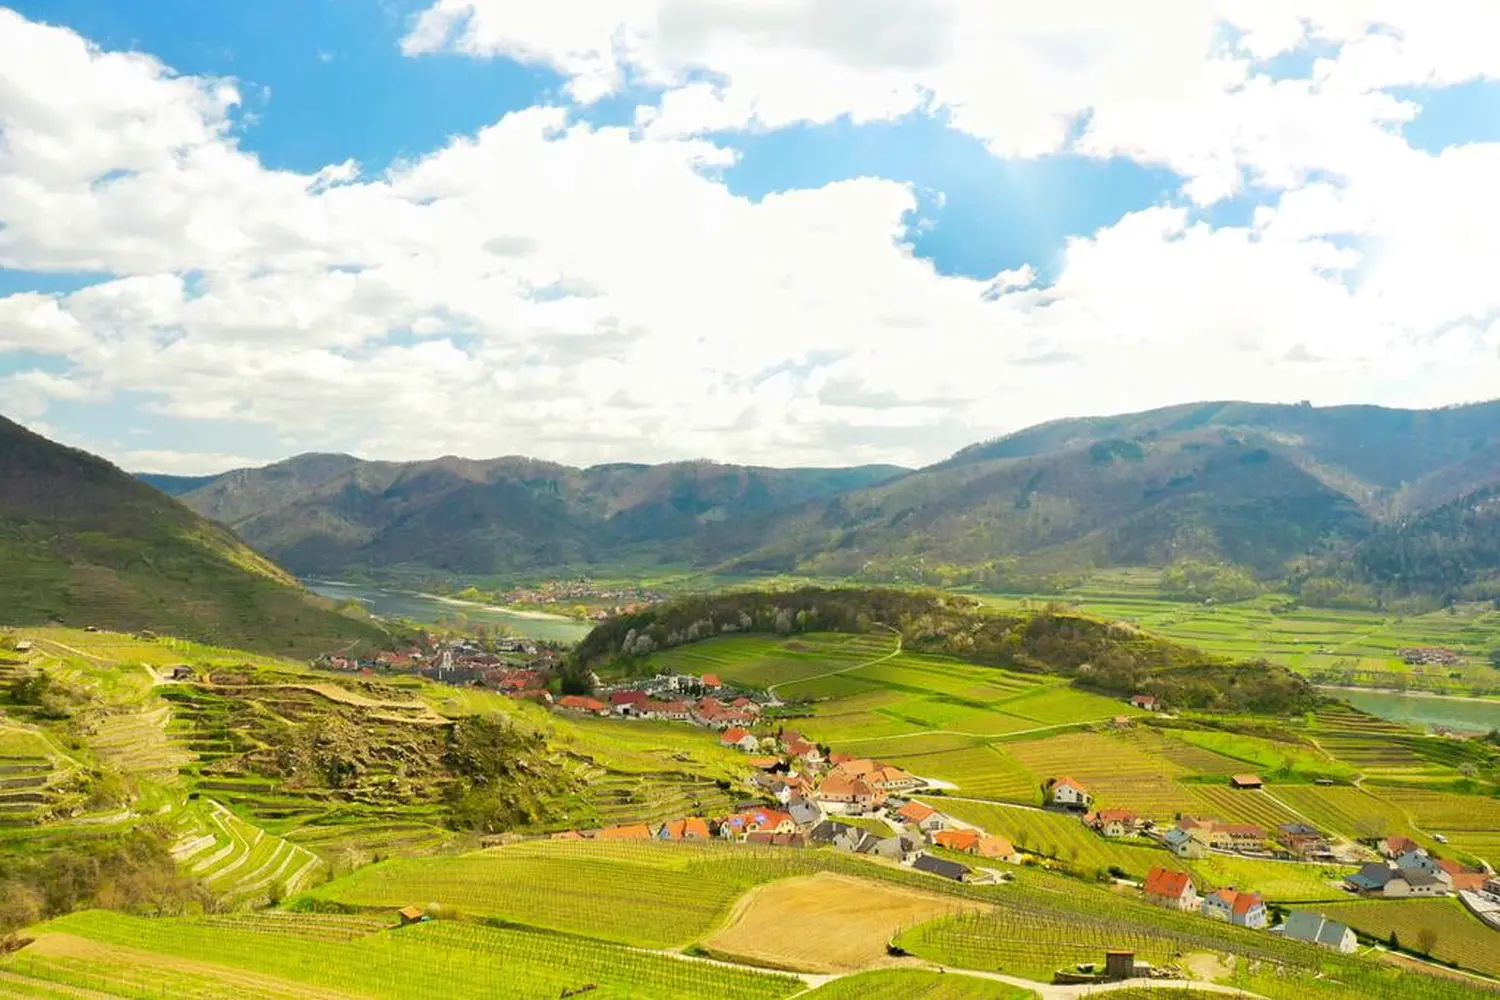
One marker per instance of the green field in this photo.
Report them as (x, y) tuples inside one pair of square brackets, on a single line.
[(912, 984), (1458, 935)]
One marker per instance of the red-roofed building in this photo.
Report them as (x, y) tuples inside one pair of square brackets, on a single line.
[(807, 751), (957, 840), (568, 835), (629, 702), (1236, 836), (692, 828), (1114, 822), (1068, 793), (1243, 909), (996, 847), (712, 681), (921, 816), (1394, 847), (741, 738), (1248, 782), (580, 703), (892, 779), (1147, 701), (1173, 890), (757, 821), (842, 789)]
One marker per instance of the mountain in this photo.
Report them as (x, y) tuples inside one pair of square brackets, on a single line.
[(1285, 492), (1261, 486), (83, 543), (174, 486), (332, 514)]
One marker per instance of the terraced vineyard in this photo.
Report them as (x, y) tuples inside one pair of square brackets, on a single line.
[(239, 861), (1459, 936), (1116, 771), (1260, 808), (1354, 812)]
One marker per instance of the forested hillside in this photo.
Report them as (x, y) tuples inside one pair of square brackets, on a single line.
[(83, 543)]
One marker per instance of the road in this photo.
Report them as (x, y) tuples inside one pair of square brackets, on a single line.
[(844, 670)]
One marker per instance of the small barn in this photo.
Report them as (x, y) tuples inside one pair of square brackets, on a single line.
[(1246, 782), (411, 915)]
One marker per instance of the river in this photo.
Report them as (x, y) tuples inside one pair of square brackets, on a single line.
[(428, 609), (1424, 711)]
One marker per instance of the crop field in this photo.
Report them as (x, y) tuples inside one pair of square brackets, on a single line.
[(1459, 936), (914, 984), (765, 661), (1115, 770), (825, 922), (1353, 812), (1446, 811), (1347, 647), (119, 956), (984, 772), (581, 887), (1190, 757), (1261, 808), (1253, 753)]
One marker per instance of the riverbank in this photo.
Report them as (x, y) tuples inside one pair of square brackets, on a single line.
[(433, 609), (1424, 710)]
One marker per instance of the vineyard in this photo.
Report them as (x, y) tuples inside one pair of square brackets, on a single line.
[(118, 956), (911, 984), (1458, 936), (1118, 772)]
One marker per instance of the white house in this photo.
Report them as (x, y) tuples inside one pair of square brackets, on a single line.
[(1066, 792), (1313, 928)]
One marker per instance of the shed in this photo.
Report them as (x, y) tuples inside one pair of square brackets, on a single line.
[(1119, 964), (1246, 781), (411, 915), (941, 866)]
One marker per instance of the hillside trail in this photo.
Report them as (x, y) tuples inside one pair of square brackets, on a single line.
[(844, 670)]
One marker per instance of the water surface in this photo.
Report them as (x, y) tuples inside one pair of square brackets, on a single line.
[(1465, 714), (431, 610)]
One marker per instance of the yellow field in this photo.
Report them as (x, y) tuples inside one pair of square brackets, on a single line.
[(1115, 770), (825, 922)]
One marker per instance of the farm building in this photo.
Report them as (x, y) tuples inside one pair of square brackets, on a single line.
[(839, 835), (1418, 861), (996, 847), (1313, 928), (1243, 909), (966, 841), (1246, 781), (1235, 836), (891, 848), (711, 681), (411, 915), (1068, 794), (1303, 840), (1173, 890), (805, 813), (1371, 878), (770, 839), (1147, 701), (840, 789), (941, 866), (1469, 879)]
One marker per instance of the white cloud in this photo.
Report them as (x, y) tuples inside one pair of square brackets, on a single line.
[(598, 294)]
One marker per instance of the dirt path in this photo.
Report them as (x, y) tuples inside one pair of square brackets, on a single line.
[(844, 670), (993, 737)]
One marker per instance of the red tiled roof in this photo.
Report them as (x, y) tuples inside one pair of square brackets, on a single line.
[(693, 826), (711, 680), (1244, 902), (1166, 883), (1245, 779), (915, 812), (1111, 815), (734, 735), (639, 831), (957, 840), (1066, 782), (996, 847)]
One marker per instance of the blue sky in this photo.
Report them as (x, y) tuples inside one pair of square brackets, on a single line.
[(324, 81)]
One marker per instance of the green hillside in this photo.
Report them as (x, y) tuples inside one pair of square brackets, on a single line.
[(85, 544)]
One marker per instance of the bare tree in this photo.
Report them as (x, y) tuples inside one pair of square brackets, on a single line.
[(1426, 940)]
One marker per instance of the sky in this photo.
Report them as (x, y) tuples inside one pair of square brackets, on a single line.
[(781, 232)]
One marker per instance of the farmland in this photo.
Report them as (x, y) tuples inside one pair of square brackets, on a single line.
[(1458, 936), (913, 984), (825, 922)]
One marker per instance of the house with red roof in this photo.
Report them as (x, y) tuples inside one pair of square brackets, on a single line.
[(920, 815), (1174, 890), (966, 841), (1147, 701), (711, 681), (1068, 794), (996, 847), (1395, 846), (1236, 836), (580, 703), (692, 828), (807, 751), (1114, 822), (892, 779), (740, 738), (1243, 909), (736, 827), (840, 789), (629, 702)]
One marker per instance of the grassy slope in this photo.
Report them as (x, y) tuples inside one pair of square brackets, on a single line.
[(83, 543)]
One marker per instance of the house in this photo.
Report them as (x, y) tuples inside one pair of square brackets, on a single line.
[(1235, 836), (839, 835), (757, 821), (411, 915), (1418, 860), (1395, 846), (628, 702), (891, 848), (1147, 701), (1371, 878), (1246, 781), (921, 816), (712, 682), (892, 779), (996, 847), (807, 751), (966, 841), (803, 812), (673, 711), (1182, 844), (1243, 909), (1303, 840), (941, 867), (1407, 883), (741, 738), (765, 763), (1173, 890), (769, 839), (1199, 829), (638, 831), (1068, 794), (1115, 822), (692, 828), (842, 790), (1313, 928), (856, 767), (1461, 878)]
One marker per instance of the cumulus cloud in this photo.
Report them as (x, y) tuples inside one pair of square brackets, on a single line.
[(593, 294)]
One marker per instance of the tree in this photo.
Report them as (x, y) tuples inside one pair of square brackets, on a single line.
[(1495, 658), (1426, 940)]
